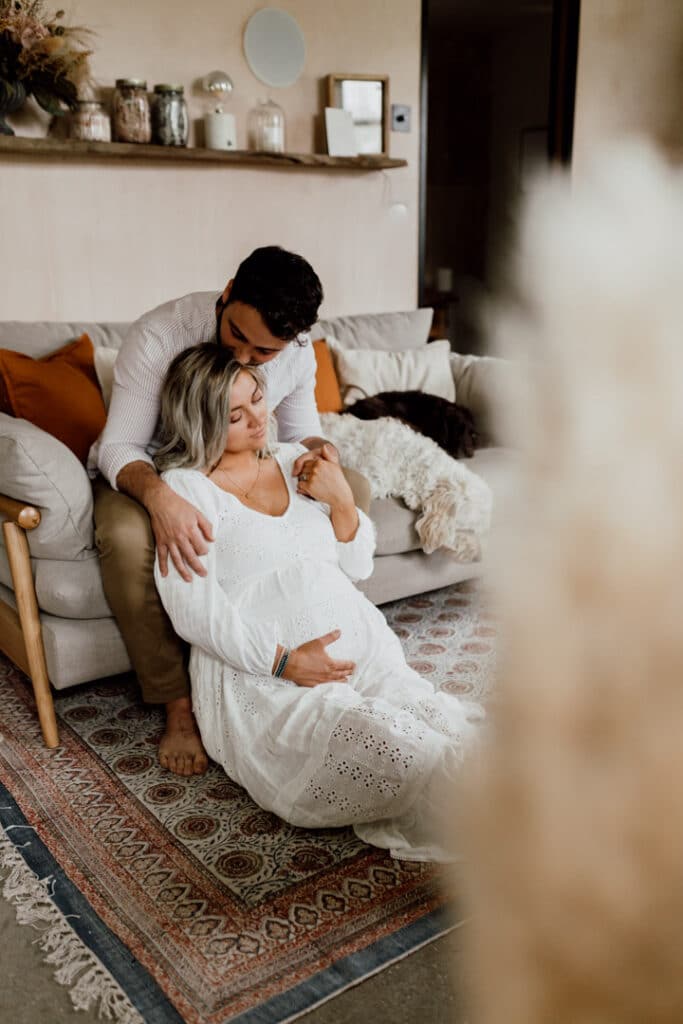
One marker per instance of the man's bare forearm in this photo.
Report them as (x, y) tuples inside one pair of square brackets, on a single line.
[(141, 481)]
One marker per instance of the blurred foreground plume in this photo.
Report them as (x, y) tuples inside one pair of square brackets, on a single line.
[(574, 809)]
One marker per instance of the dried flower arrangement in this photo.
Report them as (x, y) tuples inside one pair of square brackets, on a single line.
[(40, 56)]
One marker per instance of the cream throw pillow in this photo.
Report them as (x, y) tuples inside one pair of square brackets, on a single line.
[(366, 372), (104, 370)]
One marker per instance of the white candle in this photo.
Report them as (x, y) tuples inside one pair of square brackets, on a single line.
[(271, 139), (219, 130)]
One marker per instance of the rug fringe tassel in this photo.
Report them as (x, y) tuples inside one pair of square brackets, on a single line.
[(90, 984)]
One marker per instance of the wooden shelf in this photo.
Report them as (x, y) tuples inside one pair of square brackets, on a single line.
[(13, 145)]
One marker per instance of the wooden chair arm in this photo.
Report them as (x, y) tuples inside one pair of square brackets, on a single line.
[(18, 512)]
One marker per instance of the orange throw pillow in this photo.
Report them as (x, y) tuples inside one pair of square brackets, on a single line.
[(327, 394), (58, 393)]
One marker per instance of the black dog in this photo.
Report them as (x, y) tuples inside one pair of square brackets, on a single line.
[(449, 424)]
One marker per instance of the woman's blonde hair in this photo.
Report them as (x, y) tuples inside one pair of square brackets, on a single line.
[(195, 407)]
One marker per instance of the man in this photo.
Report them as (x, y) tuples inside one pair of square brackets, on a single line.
[(262, 317)]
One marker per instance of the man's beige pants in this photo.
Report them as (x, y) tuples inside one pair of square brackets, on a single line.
[(124, 538)]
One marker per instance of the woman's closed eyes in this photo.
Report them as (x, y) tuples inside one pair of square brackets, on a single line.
[(256, 399)]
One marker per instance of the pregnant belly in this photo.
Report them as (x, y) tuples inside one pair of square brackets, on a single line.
[(307, 601)]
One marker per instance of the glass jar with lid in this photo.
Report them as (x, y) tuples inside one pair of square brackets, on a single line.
[(132, 121), (90, 122), (169, 116), (266, 128)]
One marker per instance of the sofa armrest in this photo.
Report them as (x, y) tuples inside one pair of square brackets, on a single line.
[(19, 512), (22, 635), (487, 386)]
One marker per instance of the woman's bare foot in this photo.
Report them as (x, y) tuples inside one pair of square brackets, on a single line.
[(180, 748)]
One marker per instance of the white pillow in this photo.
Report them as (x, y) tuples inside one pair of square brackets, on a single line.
[(104, 370), (366, 372)]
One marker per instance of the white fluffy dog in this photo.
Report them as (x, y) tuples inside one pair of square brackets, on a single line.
[(574, 811)]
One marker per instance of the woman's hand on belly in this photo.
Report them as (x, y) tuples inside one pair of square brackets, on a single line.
[(310, 664)]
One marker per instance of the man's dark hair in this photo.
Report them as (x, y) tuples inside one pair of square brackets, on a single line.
[(283, 287)]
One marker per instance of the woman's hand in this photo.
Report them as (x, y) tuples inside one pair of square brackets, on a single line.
[(313, 453), (321, 477), (310, 664)]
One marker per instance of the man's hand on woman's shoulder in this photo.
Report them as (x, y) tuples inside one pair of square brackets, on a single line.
[(181, 532)]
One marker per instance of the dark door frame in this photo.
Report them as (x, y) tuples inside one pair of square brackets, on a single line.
[(422, 172), (564, 57), (563, 65)]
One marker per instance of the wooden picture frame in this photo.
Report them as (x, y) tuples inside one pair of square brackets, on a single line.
[(370, 114)]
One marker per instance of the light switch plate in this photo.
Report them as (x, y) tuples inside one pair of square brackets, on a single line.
[(400, 117)]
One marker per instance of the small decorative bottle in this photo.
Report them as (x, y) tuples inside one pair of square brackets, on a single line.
[(132, 121), (266, 128), (169, 116), (90, 122)]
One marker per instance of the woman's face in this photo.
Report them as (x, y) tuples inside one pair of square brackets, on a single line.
[(248, 416)]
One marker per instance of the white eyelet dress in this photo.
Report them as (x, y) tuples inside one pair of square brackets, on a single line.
[(373, 752)]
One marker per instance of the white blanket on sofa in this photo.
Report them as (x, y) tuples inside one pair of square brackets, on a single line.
[(398, 462)]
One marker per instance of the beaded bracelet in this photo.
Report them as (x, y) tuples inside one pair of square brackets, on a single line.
[(282, 663)]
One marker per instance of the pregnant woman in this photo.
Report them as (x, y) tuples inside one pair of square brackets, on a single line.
[(300, 689)]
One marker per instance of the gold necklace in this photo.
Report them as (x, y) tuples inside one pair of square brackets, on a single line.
[(219, 469)]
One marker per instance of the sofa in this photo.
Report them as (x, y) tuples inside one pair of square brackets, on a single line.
[(54, 619)]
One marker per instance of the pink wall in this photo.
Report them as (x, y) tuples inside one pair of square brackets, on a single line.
[(107, 240)]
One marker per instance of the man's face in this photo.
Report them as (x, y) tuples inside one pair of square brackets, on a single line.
[(244, 334)]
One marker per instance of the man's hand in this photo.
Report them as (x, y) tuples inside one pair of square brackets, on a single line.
[(320, 450), (180, 531), (321, 477), (310, 664)]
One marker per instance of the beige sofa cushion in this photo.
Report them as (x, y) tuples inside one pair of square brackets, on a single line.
[(70, 590), (77, 651), (498, 467), (488, 387), (36, 338), (395, 524), (395, 332), (38, 469)]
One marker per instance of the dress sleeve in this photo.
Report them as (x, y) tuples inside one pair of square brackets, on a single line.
[(355, 556), (200, 610)]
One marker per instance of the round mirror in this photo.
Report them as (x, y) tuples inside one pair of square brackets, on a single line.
[(274, 47)]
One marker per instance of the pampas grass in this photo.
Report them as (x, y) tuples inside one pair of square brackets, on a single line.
[(573, 815)]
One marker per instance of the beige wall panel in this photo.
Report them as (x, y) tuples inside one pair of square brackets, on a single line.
[(108, 240)]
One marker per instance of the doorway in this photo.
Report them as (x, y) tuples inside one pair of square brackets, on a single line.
[(498, 77)]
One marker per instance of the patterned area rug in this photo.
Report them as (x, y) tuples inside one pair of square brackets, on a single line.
[(170, 899)]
